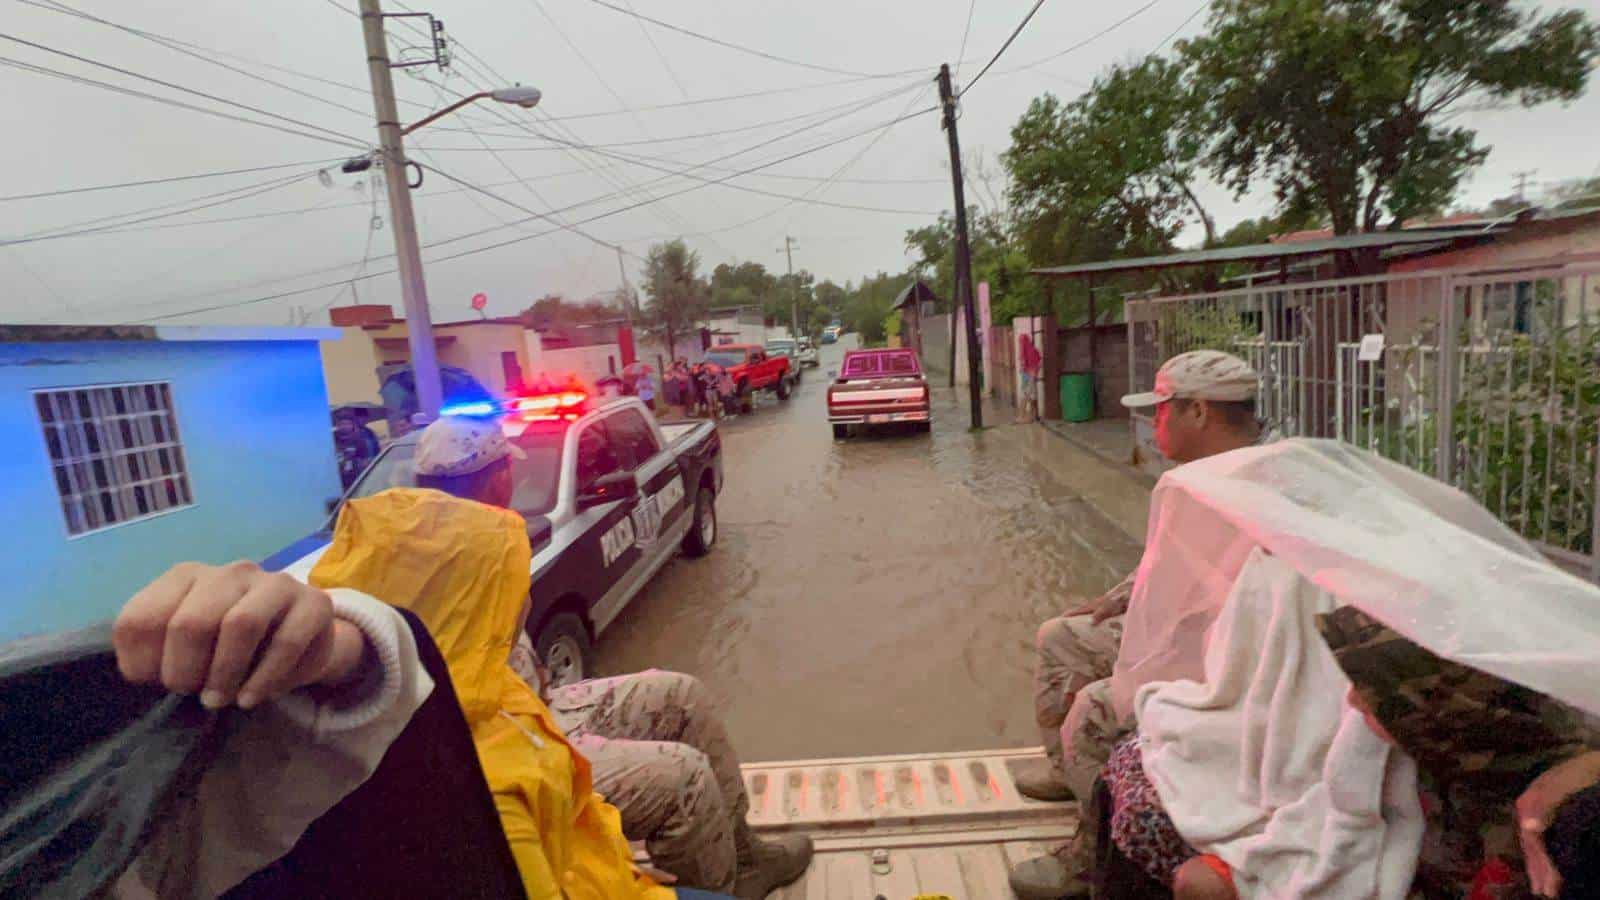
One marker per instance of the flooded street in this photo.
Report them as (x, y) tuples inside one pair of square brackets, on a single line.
[(880, 595)]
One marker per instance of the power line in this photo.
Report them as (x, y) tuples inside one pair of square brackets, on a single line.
[(1181, 26), (130, 92), (535, 214), (1086, 41), (56, 6), (1003, 47), (129, 184), (748, 50), (965, 33), (665, 64), (352, 141), (486, 248), (56, 234)]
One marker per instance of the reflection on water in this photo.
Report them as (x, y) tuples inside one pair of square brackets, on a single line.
[(880, 595)]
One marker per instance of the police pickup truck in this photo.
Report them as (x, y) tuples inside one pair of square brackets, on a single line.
[(610, 496)]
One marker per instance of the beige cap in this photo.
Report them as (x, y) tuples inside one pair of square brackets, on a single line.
[(458, 445), (1200, 375)]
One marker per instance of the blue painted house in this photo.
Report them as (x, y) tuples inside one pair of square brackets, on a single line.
[(130, 448)]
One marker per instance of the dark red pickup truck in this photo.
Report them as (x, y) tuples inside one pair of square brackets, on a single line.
[(879, 387), (752, 369)]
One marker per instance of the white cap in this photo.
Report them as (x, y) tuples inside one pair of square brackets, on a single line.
[(1200, 375), (458, 445)]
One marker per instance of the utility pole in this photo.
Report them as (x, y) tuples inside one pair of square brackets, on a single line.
[(947, 100), (1523, 178), (627, 292), (794, 290), (413, 291)]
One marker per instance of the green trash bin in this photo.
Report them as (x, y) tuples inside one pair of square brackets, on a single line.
[(1077, 396)]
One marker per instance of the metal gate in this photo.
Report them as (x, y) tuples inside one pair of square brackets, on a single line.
[(1488, 381)]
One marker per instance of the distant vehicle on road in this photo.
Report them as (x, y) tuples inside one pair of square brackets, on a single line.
[(830, 334), (790, 350), (879, 387), (609, 495), (808, 353), (752, 370)]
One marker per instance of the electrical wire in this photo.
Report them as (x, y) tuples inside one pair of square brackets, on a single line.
[(1086, 41), (1003, 47), (130, 92), (176, 178), (665, 64), (58, 234), (345, 138), (748, 50), (966, 32), (56, 6), (495, 246), (1181, 26)]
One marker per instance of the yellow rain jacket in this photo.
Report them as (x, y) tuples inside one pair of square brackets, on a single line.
[(462, 568)]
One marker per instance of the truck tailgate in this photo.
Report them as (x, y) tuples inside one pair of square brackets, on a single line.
[(947, 823)]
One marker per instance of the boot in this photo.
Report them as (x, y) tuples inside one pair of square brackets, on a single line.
[(1040, 779), (1059, 876), (766, 865)]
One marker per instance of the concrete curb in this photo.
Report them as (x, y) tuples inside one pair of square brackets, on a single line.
[(1064, 431)]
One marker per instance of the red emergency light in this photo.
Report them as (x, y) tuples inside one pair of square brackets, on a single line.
[(565, 406)]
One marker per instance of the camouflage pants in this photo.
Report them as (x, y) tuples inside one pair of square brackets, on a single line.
[(1074, 653), (661, 756)]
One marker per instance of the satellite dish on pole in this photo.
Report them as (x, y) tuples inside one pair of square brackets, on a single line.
[(479, 301)]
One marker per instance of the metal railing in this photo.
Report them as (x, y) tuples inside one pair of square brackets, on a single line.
[(1487, 380)]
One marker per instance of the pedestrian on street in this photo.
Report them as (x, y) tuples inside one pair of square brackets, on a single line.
[(1031, 363), (355, 446), (1204, 405)]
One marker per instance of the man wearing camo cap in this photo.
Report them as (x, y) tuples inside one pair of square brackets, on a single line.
[(1204, 405)]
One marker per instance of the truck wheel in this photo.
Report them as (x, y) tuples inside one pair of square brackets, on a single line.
[(924, 427), (840, 432), (703, 528), (564, 646), (782, 390)]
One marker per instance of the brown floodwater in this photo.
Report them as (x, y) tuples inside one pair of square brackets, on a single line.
[(880, 595)]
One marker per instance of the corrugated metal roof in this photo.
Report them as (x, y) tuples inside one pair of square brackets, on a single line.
[(1256, 252)]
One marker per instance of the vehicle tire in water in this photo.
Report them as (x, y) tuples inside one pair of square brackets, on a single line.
[(703, 528), (924, 427), (840, 432), (782, 389), (564, 646)]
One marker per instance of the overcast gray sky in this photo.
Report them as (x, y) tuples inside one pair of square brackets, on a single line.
[(612, 83)]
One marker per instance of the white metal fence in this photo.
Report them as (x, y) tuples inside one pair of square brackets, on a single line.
[(1489, 381)]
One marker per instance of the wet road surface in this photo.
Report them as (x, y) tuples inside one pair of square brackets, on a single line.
[(880, 595)]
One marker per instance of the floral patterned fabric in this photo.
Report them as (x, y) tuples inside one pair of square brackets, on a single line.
[(1139, 826)]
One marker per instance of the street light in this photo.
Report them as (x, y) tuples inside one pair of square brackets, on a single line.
[(408, 251), (518, 95)]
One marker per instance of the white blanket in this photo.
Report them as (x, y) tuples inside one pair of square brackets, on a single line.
[(1262, 766)]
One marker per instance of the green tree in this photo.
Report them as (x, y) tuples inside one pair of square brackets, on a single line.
[(678, 295), (553, 309), (1346, 105), (1112, 173)]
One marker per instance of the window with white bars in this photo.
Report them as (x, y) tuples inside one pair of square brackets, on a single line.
[(115, 453)]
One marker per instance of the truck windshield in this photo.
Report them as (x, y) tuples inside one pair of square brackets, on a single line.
[(726, 358), (536, 478)]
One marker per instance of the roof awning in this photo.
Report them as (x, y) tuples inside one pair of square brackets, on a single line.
[(1264, 252)]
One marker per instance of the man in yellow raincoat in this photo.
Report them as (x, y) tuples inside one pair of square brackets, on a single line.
[(462, 568)]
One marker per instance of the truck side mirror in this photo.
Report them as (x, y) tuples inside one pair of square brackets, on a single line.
[(331, 504), (609, 488)]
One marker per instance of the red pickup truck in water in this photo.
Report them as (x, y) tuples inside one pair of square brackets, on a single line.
[(752, 369), (879, 387)]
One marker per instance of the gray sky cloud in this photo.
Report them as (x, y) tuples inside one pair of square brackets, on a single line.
[(627, 89)]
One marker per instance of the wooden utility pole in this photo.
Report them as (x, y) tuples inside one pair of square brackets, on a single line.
[(794, 290), (947, 100)]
